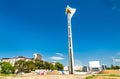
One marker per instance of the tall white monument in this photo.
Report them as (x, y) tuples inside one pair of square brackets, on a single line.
[(70, 12)]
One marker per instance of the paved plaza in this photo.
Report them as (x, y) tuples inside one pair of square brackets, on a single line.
[(46, 77)]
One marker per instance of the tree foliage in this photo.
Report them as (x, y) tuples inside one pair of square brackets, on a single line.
[(6, 68), (52, 67), (46, 65), (20, 65), (114, 67), (59, 66), (30, 65), (39, 64), (23, 66)]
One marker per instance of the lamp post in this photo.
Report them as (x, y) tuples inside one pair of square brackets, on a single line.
[(70, 11)]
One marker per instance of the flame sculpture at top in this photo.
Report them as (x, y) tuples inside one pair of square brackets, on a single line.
[(70, 11)]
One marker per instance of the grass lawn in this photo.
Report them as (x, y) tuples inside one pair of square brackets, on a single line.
[(103, 76)]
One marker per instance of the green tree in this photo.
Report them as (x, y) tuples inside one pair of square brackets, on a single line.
[(39, 64), (117, 67), (59, 66), (52, 67), (7, 68), (20, 65), (114, 67), (30, 65), (46, 65)]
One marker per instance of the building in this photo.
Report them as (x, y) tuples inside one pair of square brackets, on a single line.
[(104, 67), (5, 59), (94, 66), (29, 59), (10, 60), (85, 69), (53, 63), (14, 59), (37, 56), (76, 68), (65, 68), (20, 58)]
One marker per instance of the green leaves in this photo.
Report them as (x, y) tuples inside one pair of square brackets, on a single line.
[(114, 67), (28, 66), (59, 66), (6, 68)]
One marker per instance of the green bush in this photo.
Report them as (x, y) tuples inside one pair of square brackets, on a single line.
[(7, 68), (89, 77)]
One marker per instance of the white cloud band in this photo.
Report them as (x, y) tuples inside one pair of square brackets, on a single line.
[(57, 58), (59, 54)]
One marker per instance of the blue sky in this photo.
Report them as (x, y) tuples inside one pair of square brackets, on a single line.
[(28, 26)]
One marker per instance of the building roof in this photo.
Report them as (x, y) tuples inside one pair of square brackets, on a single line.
[(5, 58)]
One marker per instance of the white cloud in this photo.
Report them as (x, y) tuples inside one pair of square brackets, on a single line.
[(56, 58), (116, 60), (59, 54)]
